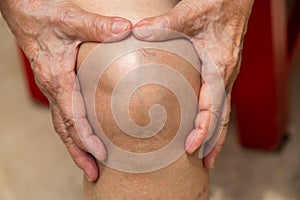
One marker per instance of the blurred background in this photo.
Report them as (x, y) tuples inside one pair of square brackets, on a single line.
[(260, 159)]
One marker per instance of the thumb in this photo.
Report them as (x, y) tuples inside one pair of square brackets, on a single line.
[(91, 27), (172, 24), (160, 28)]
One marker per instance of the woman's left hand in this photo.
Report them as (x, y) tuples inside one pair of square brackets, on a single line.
[(217, 28)]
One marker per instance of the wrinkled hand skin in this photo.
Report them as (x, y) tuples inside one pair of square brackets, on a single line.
[(218, 27), (50, 32)]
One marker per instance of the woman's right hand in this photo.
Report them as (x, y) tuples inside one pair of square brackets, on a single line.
[(50, 32)]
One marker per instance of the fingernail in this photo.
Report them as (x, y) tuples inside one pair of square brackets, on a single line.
[(119, 26), (143, 32)]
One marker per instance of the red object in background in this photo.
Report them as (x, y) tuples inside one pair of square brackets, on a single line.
[(260, 92), (35, 92), (294, 29)]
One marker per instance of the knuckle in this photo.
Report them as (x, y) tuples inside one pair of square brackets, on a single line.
[(69, 123), (43, 77), (63, 134), (230, 61), (61, 125), (57, 123), (68, 139), (167, 21), (67, 15), (230, 54), (227, 116), (75, 22), (190, 16), (218, 149), (98, 27), (226, 122), (92, 22), (99, 23), (61, 128), (67, 18)]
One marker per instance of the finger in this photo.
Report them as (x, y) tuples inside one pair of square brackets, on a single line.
[(212, 99), (176, 23), (206, 122), (82, 127), (72, 107), (197, 136), (81, 158), (194, 140), (87, 26), (214, 146), (160, 28), (210, 158)]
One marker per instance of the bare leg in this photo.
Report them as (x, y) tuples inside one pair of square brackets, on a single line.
[(186, 178)]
